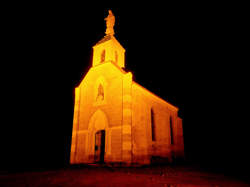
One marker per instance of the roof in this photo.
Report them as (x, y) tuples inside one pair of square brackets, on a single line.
[(156, 96), (145, 89), (104, 39), (107, 38)]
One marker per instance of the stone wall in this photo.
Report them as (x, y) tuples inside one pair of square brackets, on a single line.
[(162, 147)]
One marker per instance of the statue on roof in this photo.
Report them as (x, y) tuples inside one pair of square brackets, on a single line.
[(110, 22)]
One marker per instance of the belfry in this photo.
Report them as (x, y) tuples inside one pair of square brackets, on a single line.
[(118, 121)]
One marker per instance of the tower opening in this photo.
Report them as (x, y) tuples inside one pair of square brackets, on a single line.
[(103, 56)]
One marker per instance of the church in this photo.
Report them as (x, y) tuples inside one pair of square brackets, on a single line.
[(116, 120)]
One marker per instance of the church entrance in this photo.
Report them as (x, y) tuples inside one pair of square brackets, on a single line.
[(99, 146)]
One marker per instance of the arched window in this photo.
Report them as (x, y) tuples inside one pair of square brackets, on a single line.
[(171, 131), (153, 124), (100, 93), (103, 56)]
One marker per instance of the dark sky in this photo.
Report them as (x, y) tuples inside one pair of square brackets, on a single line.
[(187, 55)]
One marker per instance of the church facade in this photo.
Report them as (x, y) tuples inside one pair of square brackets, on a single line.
[(118, 121)]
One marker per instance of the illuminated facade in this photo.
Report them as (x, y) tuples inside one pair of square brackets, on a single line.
[(118, 121)]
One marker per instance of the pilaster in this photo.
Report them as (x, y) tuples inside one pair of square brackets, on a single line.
[(127, 119)]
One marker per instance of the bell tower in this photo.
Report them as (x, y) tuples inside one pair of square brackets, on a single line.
[(108, 49)]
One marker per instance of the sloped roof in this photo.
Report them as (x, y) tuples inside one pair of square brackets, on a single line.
[(107, 38), (158, 97), (148, 91), (104, 39)]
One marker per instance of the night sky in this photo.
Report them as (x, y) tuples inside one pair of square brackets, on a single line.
[(187, 55)]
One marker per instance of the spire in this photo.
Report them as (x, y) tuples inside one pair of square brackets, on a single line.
[(110, 22)]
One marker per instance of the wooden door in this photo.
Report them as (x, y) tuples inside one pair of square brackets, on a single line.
[(99, 146)]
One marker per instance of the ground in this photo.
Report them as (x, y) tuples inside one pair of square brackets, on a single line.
[(94, 175)]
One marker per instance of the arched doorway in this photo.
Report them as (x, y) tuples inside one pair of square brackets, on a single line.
[(97, 137)]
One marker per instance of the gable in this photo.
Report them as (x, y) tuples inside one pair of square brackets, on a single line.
[(107, 70)]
